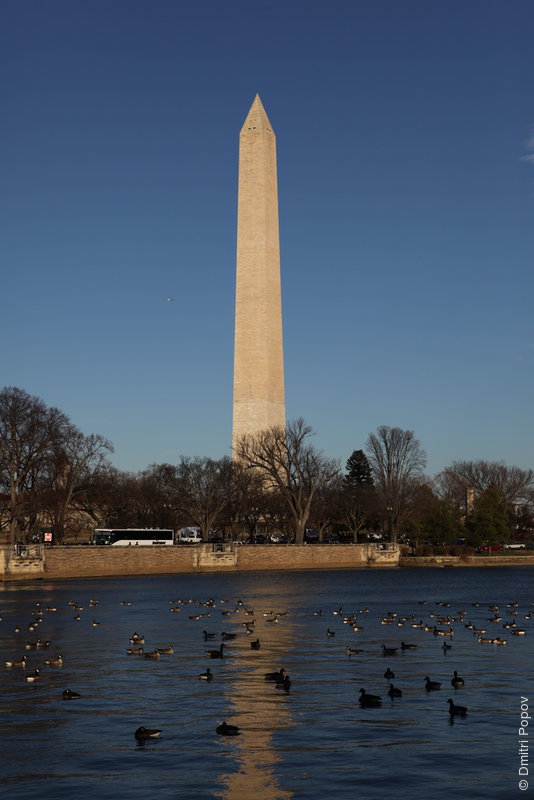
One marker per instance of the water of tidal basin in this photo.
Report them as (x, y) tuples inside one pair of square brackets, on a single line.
[(314, 741)]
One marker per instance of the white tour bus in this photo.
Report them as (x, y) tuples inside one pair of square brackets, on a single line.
[(124, 537)]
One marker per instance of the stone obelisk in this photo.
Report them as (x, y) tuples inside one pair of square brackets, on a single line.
[(258, 349)]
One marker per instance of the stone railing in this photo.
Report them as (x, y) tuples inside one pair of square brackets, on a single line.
[(22, 560)]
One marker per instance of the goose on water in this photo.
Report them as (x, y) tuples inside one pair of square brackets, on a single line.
[(206, 676), (456, 711), (369, 700), (394, 692), (216, 653), (431, 686), (388, 674), (68, 694), (143, 733), (227, 730), (20, 663), (54, 662), (275, 676), (456, 680), (285, 683)]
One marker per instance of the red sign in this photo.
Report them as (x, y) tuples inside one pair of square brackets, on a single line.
[(48, 537)]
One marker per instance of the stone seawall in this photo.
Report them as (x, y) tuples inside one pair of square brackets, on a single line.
[(91, 562), (467, 561)]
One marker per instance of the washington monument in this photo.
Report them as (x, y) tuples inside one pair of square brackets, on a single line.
[(258, 348)]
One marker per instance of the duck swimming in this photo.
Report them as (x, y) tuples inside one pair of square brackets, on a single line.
[(68, 694)]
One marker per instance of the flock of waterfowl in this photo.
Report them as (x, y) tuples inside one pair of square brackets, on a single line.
[(440, 623), (137, 647)]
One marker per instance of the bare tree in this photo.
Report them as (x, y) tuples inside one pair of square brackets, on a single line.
[(203, 490), (100, 496), (513, 484), (397, 462), (356, 507), (138, 500), (249, 502), (289, 465), (72, 468), (325, 506), (30, 434)]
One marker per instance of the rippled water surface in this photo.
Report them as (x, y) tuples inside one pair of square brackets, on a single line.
[(313, 741)]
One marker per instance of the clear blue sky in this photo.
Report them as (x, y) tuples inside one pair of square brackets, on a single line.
[(405, 133)]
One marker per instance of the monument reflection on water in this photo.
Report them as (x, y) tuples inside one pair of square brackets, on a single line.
[(314, 741), (260, 709)]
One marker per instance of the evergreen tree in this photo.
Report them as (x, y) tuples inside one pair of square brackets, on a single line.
[(358, 469)]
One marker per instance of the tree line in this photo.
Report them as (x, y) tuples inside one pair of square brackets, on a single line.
[(52, 476)]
